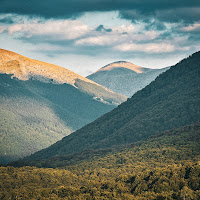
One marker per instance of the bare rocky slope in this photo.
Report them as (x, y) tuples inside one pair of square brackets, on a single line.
[(171, 101)]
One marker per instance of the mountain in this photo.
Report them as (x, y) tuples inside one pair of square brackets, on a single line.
[(24, 68), (124, 77), (171, 101), (165, 166), (40, 103), (186, 138)]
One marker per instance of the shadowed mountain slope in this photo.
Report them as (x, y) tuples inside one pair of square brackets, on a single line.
[(181, 140), (41, 103), (171, 101)]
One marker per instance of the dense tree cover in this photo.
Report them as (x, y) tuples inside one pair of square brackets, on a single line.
[(34, 115), (183, 141), (176, 181), (171, 101), (163, 167)]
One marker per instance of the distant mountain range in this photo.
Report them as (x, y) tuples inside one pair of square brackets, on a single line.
[(40, 103), (124, 77), (169, 102)]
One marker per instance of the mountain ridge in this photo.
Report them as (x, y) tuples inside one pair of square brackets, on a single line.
[(171, 101), (39, 104), (123, 64), (186, 133), (125, 77), (25, 68)]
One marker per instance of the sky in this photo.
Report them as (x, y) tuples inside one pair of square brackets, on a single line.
[(85, 35)]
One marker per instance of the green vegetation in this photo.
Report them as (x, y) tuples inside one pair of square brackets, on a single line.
[(171, 101), (27, 126), (129, 153), (184, 142), (163, 167), (34, 115)]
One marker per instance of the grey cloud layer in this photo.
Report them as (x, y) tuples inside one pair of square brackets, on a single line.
[(167, 26), (6, 20), (187, 10), (73, 36), (171, 15)]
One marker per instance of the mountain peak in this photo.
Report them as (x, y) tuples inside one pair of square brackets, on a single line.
[(24, 68), (172, 100), (122, 64), (124, 77)]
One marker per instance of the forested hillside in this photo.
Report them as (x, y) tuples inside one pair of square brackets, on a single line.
[(33, 115), (40, 103), (171, 101), (163, 167)]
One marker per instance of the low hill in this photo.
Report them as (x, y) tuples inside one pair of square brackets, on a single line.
[(124, 77), (171, 101)]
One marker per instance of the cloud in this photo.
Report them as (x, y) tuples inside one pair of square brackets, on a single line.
[(54, 29), (153, 29), (107, 38), (164, 10), (155, 47), (74, 36), (147, 48), (157, 17), (192, 28), (102, 28), (2, 29), (7, 20), (124, 29), (155, 25), (99, 40), (119, 34)]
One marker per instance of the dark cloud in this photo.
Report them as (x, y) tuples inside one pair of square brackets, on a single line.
[(166, 10), (45, 39), (82, 50), (155, 25), (185, 15), (67, 46), (101, 28), (7, 20), (194, 37)]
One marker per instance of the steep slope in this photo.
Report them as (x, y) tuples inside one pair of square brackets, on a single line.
[(162, 167), (41, 103), (124, 77), (25, 68), (183, 142), (171, 101)]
